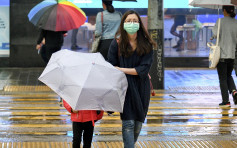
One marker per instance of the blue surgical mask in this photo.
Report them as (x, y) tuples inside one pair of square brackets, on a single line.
[(131, 27)]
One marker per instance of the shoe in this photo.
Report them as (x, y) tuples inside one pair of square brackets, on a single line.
[(224, 104), (178, 49), (110, 113), (234, 94), (75, 47), (176, 46)]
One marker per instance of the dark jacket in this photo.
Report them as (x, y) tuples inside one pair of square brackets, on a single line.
[(52, 38), (138, 93)]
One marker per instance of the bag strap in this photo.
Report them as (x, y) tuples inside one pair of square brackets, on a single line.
[(118, 47), (102, 19), (218, 32)]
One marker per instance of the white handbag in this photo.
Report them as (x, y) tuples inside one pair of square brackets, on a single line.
[(97, 39), (215, 51), (95, 44)]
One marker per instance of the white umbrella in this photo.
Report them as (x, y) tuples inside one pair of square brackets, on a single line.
[(212, 4), (86, 81)]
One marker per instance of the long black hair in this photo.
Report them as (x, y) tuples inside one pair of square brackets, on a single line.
[(230, 10), (109, 5)]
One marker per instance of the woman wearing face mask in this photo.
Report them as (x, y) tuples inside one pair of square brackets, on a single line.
[(132, 53), (107, 24)]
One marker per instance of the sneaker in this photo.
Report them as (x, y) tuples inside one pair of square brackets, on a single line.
[(110, 113), (75, 47), (176, 46), (234, 94), (224, 104)]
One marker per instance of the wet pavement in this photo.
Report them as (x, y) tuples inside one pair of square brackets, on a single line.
[(185, 114)]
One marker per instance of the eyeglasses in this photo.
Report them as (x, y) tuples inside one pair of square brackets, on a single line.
[(131, 21)]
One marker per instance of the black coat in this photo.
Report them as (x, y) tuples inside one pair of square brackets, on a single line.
[(52, 38), (138, 93)]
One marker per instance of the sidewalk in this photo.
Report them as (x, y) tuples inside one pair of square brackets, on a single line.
[(175, 79), (185, 114), (193, 80)]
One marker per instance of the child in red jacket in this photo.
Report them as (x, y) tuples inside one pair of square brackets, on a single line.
[(83, 122)]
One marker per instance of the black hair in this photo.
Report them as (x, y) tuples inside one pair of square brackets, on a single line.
[(230, 10), (109, 5)]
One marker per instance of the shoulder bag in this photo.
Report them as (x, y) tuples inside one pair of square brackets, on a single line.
[(97, 39), (214, 55)]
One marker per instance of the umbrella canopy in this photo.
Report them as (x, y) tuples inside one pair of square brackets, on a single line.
[(213, 4), (122, 0), (86, 81), (57, 15)]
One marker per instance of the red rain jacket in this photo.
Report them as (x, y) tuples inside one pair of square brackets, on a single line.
[(83, 115)]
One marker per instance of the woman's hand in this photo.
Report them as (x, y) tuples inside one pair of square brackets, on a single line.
[(118, 68), (65, 34), (129, 71), (38, 46)]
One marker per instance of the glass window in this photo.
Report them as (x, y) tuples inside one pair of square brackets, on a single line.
[(187, 29)]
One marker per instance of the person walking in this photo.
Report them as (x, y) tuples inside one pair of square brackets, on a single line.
[(83, 125), (227, 42), (132, 53), (107, 29), (179, 20), (74, 45), (53, 42)]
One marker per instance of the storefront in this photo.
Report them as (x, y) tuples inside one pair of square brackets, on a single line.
[(184, 40), (192, 51)]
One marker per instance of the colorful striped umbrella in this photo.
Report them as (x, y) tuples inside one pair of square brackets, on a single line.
[(57, 15)]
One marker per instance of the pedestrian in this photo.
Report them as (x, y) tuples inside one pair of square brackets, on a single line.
[(74, 45), (83, 125), (53, 42), (179, 20), (227, 43), (107, 29), (132, 53)]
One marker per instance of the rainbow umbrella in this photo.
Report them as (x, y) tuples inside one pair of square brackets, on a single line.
[(57, 15)]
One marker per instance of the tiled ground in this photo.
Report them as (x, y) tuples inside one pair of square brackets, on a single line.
[(175, 78)]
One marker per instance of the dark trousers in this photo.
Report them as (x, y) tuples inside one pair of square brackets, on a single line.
[(49, 50), (179, 35), (104, 47), (85, 128), (43, 54), (74, 37), (224, 70)]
